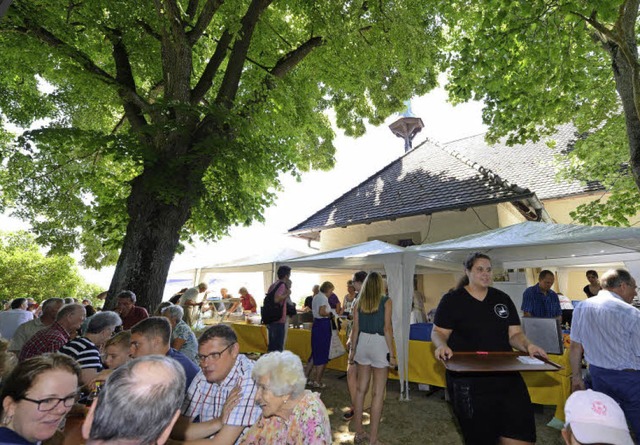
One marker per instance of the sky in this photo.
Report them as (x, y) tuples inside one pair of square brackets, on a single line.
[(355, 161)]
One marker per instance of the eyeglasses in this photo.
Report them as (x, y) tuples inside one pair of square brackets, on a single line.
[(213, 356), (51, 403)]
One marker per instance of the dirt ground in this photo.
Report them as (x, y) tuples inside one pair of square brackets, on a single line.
[(422, 420)]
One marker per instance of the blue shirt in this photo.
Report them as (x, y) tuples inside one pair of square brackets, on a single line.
[(10, 437), (535, 302), (190, 368), (608, 328)]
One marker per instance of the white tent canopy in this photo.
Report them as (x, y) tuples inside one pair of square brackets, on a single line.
[(537, 244), (255, 263), (528, 244), (265, 262)]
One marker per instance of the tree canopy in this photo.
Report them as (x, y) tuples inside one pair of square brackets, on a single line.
[(27, 272), (537, 64), (169, 119)]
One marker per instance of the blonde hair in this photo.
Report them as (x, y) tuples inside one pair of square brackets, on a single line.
[(371, 293), (121, 339), (327, 286)]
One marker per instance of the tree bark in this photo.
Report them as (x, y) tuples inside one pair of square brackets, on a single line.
[(626, 85), (153, 231)]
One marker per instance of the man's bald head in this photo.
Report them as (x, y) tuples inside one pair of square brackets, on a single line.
[(139, 402)]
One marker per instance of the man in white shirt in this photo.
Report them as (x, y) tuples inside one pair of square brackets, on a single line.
[(605, 328), (225, 376), (191, 302), (14, 317)]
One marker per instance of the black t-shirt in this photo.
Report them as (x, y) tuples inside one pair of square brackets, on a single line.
[(477, 325), (587, 291), (308, 302)]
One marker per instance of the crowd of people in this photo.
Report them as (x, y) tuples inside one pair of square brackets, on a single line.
[(181, 388)]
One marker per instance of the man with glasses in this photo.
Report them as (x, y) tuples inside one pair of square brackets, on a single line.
[(606, 329), (152, 336), (86, 350), (220, 403)]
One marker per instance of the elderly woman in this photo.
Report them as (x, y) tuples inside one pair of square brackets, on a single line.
[(290, 414), (182, 337), (246, 300), (36, 397)]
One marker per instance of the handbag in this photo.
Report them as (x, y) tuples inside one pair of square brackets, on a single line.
[(336, 349), (291, 309)]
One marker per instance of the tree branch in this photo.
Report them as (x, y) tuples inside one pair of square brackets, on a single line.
[(280, 36), (124, 77), (293, 58), (604, 33), (206, 80), (209, 10), (192, 8), (148, 29), (229, 87), (82, 59), (173, 12)]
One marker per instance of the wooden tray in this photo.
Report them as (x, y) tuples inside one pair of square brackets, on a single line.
[(496, 362)]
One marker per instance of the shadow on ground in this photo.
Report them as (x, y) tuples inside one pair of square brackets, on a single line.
[(422, 420)]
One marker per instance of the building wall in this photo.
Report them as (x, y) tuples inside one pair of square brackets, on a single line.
[(429, 229), (508, 215), (559, 209), (436, 285)]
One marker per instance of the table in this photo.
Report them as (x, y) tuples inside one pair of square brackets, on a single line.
[(545, 388)]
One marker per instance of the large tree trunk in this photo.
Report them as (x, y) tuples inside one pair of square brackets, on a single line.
[(624, 63), (153, 231), (626, 86)]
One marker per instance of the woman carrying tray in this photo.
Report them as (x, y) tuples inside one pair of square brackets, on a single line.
[(490, 407)]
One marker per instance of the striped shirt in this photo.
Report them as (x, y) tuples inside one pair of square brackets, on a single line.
[(204, 401), (608, 329), (85, 352)]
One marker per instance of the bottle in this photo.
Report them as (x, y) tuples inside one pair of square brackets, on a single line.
[(97, 387)]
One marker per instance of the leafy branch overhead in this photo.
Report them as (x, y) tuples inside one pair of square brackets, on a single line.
[(170, 119), (537, 64), (202, 100)]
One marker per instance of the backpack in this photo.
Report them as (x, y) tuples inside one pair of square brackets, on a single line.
[(271, 311)]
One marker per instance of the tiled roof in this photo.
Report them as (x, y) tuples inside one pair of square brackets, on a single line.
[(425, 180), (531, 165)]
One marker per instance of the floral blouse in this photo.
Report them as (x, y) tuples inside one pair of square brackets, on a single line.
[(307, 425)]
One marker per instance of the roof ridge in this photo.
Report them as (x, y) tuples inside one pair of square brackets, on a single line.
[(485, 172), (364, 181), (466, 137)]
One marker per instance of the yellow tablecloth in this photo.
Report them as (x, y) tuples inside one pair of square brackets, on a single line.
[(545, 388)]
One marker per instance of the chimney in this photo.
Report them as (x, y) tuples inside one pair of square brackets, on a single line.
[(407, 126)]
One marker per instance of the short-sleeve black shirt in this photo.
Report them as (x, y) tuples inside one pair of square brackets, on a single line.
[(477, 325)]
